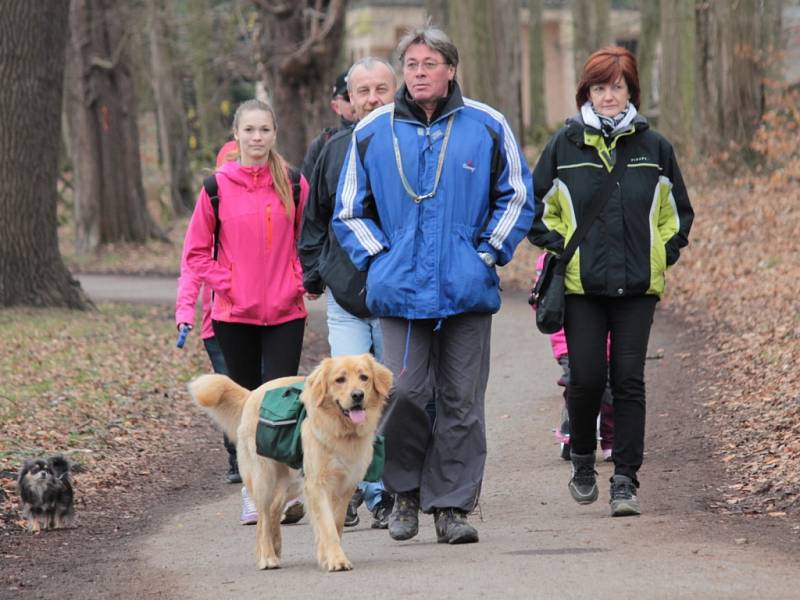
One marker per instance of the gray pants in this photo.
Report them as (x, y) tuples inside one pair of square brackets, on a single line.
[(446, 461)]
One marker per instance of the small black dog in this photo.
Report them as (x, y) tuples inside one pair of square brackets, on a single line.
[(46, 492)]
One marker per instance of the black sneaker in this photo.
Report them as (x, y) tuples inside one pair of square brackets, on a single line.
[(381, 512), (452, 527), (624, 502), (233, 474), (583, 485), (351, 519), (404, 518)]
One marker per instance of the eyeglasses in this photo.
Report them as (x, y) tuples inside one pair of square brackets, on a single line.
[(427, 66)]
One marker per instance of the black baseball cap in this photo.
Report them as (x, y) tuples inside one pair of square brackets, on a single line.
[(340, 86)]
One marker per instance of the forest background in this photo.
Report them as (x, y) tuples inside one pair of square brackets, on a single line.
[(112, 112)]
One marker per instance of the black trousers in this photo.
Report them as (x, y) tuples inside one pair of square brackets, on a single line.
[(588, 321), (255, 353)]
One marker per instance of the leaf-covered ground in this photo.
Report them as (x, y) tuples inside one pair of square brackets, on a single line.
[(107, 388)]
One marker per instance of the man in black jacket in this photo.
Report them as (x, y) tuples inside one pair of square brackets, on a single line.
[(371, 83), (340, 104)]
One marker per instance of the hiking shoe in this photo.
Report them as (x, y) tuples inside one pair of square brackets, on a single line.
[(382, 510), (293, 512), (583, 485), (624, 502), (452, 527), (249, 515), (404, 518), (232, 476), (351, 518)]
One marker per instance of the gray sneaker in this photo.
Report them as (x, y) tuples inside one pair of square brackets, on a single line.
[(624, 502), (351, 519), (583, 485), (404, 519), (452, 527)]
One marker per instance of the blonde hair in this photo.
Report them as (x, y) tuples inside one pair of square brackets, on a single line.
[(276, 163)]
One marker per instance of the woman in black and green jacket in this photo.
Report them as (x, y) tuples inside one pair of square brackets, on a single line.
[(618, 272)]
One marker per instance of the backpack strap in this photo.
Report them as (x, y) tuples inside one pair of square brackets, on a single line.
[(294, 178), (210, 185)]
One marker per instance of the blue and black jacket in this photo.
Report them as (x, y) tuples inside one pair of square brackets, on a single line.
[(422, 257)]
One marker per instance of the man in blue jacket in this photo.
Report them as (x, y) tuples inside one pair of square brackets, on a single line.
[(434, 193)]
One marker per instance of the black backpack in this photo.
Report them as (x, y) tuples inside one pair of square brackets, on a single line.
[(210, 185)]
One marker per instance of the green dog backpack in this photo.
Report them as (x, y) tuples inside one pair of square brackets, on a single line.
[(278, 431)]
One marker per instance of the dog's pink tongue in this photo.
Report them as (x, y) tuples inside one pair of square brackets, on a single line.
[(358, 415)]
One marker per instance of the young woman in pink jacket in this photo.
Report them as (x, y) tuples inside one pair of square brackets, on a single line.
[(258, 315)]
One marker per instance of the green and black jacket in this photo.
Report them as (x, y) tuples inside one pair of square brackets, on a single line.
[(642, 228)]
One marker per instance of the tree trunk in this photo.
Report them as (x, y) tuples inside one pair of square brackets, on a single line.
[(737, 44), (487, 36), (505, 19), (298, 43), (646, 51), (591, 23), (32, 41), (173, 130), (439, 13), (537, 130), (109, 195), (676, 114), (471, 29)]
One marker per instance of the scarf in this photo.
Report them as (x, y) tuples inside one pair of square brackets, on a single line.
[(608, 126)]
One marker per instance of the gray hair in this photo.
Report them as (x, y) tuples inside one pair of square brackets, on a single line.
[(368, 62), (434, 38)]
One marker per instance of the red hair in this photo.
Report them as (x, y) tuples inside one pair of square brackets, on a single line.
[(606, 66)]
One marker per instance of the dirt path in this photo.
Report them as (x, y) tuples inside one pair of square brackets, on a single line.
[(535, 542)]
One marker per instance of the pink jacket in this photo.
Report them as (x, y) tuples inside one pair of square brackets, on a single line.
[(257, 278), (188, 289), (189, 285)]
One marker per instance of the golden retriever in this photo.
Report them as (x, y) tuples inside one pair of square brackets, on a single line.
[(343, 397)]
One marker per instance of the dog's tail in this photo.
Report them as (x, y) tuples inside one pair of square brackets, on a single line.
[(222, 398)]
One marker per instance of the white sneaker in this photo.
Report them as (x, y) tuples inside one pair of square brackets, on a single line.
[(249, 515), (607, 455)]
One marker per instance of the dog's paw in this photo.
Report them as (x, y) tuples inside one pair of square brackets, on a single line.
[(339, 563), (269, 562)]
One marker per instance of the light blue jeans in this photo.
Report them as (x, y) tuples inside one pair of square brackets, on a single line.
[(348, 334)]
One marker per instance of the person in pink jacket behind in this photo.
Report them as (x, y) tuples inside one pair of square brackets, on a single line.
[(189, 288), (558, 342)]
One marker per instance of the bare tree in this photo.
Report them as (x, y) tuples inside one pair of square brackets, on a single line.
[(736, 46), (488, 39), (298, 44), (646, 50), (439, 13), (676, 114), (104, 137), (32, 40), (537, 130), (173, 131), (591, 26)]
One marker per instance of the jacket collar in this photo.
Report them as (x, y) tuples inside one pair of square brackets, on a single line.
[(576, 127), (407, 110)]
